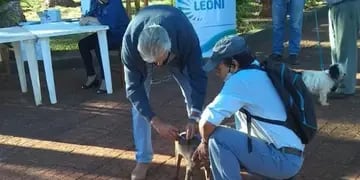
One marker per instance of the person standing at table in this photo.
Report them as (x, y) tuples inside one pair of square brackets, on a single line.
[(161, 35), (106, 12)]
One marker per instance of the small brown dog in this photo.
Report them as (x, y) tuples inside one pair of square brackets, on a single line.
[(185, 149)]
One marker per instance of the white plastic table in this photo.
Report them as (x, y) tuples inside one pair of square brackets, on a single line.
[(15, 35), (45, 31)]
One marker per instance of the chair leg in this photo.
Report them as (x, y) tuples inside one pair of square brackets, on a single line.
[(121, 69), (122, 79)]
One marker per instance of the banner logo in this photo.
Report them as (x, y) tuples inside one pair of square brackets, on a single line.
[(193, 8)]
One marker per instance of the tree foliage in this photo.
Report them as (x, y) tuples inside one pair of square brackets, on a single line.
[(10, 13), (66, 3)]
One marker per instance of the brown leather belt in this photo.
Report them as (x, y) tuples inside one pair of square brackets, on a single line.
[(290, 150)]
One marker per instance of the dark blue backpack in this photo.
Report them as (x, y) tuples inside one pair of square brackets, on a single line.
[(296, 98)]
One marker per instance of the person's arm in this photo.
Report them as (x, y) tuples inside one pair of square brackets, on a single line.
[(134, 78), (92, 8), (90, 17), (88, 20), (112, 13), (223, 106), (198, 77), (206, 129)]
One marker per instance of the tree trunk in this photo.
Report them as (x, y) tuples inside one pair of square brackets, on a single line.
[(4, 60), (137, 5), (11, 13), (129, 9), (66, 3), (266, 8)]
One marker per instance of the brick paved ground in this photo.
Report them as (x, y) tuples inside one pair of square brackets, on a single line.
[(88, 136)]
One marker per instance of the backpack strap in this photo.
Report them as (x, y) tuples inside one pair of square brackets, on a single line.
[(253, 66), (248, 125), (249, 116)]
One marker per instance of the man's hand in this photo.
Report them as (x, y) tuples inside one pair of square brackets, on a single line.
[(191, 129), (165, 130), (83, 21), (88, 20), (201, 152)]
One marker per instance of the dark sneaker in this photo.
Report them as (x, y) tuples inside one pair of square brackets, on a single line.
[(293, 59), (275, 57)]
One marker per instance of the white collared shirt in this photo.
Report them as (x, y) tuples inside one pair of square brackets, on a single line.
[(253, 90)]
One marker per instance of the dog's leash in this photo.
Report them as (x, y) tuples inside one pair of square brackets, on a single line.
[(319, 43)]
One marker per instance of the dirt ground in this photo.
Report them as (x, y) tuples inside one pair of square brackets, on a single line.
[(89, 136)]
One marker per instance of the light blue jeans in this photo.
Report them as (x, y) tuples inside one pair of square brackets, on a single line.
[(280, 9), (142, 127), (228, 151)]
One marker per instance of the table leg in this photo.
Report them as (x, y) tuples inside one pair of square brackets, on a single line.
[(33, 69), (104, 51), (45, 49), (20, 66)]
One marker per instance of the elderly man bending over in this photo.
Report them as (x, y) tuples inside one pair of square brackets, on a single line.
[(157, 36)]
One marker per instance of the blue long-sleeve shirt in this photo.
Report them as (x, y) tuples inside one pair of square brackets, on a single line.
[(184, 44), (112, 14)]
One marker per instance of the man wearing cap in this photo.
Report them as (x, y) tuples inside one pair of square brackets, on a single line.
[(154, 38), (252, 90)]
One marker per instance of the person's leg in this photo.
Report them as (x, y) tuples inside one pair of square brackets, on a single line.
[(142, 128), (142, 136), (278, 22), (228, 150), (295, 10), (102, 88), (182, 79), (343, 36), (85, 46)]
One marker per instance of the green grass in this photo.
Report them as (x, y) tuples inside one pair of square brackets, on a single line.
[(31, 7), (66, 43), (246, 11), (63, 43)]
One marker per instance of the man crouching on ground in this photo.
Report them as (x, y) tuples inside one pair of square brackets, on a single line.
[(271, 151)]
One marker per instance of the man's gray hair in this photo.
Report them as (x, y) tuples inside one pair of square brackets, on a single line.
[(153, 40)]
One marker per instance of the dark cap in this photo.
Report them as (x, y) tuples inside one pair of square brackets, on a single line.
[(224, 48)]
